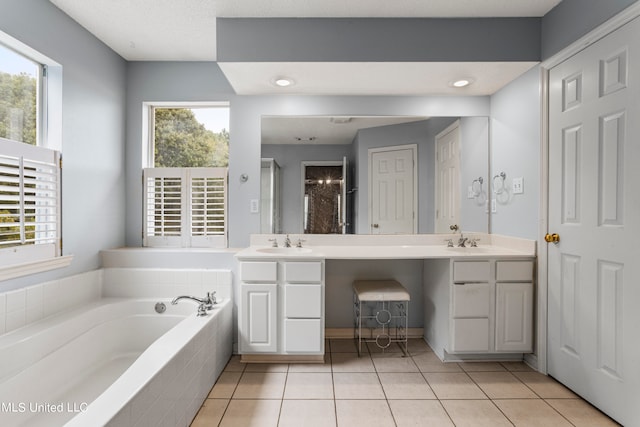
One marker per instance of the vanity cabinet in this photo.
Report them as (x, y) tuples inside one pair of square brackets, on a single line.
[(491, 306), (282, 307)]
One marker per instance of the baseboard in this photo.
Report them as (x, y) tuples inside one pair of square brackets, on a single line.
[(281, 358), (347, 333)]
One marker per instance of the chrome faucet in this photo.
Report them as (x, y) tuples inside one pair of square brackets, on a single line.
[(461, 241), (474, 242), (205, 303), (287, 242)]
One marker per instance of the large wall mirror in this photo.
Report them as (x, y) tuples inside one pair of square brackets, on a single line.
[(374, 174)]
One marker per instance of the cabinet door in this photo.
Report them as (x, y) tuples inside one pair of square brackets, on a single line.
[(470, 335), (514, 317), (303, 301), (471, 300), (258, 322), (303, 336)]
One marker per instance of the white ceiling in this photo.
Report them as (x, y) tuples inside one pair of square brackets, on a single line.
[(185, 30)]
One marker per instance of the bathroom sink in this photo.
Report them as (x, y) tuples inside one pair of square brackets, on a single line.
[(285, 251)]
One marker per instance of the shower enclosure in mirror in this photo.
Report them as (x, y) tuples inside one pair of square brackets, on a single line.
[(293, 141), (270, 196)]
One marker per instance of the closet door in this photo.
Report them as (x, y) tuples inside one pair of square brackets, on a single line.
[(593, 271)]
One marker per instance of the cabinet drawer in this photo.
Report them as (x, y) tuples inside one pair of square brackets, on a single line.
[(303, 336), (303, 301), (471, 271), (471, 300), (514, 270), (303, 272), (470, 335), (259, 271)]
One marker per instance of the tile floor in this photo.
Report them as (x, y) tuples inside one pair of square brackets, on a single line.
[(386, 389)]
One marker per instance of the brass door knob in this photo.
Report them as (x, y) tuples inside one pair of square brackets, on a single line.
[(552, 238)]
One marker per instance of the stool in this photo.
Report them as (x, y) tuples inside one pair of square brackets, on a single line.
[(382, 307)]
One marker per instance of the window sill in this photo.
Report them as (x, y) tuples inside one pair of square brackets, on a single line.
[(19, 270)]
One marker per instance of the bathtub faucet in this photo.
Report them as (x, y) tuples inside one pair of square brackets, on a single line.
[(205, 303)]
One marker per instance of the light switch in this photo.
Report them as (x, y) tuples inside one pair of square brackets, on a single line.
[(254, 206), (493, 206), (518, 185), (470, 193)]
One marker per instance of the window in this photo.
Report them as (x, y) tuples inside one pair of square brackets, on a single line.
[(185, 185), (29, 172)]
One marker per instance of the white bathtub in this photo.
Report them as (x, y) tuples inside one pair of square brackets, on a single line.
[(114, 362)]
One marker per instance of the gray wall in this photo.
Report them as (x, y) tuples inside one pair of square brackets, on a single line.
[(515, 150), (474, 163), (572, 19), (378, 39), (93, 122)]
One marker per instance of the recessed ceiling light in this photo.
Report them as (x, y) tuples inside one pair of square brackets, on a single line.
[(461, 82), (283, 81)]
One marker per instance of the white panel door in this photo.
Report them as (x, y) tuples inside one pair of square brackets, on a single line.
[(393, 190), (593, 271), (258, 318), (447, 182)]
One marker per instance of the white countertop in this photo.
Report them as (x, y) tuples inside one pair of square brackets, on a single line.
[(388, 247)]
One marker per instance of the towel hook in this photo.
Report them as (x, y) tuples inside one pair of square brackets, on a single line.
[(476, 186), (499, 189)]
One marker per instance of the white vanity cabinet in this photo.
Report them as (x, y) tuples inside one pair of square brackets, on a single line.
[(491, 306), (282, 307)]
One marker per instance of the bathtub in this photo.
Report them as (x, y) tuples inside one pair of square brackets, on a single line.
[(115, 362)]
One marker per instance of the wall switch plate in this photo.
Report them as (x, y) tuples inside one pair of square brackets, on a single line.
[(470, 193), (254, 206), (518, 185), (493, 206)]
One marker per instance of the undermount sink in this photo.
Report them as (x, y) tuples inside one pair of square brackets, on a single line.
[(285, 251)]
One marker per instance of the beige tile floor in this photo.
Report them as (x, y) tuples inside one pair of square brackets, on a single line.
[(386, 389)]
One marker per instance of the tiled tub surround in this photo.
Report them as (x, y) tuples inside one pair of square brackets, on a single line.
[(141, 367)]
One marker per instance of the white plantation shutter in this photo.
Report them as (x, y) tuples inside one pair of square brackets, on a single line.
[(29, 203), (185, 207)]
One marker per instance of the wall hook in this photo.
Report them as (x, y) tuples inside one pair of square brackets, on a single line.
[(498, 189)]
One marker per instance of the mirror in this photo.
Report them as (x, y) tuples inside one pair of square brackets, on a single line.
[(368, 145)]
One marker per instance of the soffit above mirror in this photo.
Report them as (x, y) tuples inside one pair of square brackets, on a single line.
[(138, 32)]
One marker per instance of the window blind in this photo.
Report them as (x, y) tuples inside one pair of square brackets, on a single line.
[(185, 207), (29, 202)]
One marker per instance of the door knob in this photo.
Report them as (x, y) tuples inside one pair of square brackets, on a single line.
[(552, 238), (375, 225)]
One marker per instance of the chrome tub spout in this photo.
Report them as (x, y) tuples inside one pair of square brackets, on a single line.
[(204, 304)]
